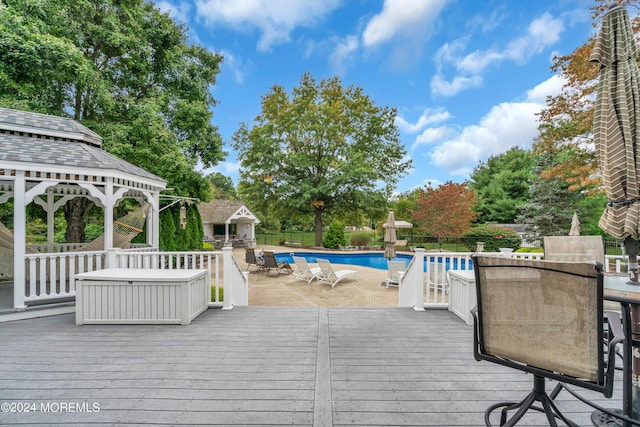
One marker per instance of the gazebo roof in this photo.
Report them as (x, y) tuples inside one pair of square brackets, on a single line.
[(59, 143), (47, 125)]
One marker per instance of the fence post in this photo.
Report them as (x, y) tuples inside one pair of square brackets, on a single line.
[(227, 272), (419, 280), (112, 258)]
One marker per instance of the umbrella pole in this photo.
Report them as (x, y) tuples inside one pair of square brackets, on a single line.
[(633, 250)]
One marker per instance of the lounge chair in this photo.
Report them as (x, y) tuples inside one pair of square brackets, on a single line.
[(396, 270), (270, 263), (303, 271), (331, 276), (436, 277), (251, 259)]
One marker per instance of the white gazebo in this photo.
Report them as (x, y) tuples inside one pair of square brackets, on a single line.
[(49, 160)]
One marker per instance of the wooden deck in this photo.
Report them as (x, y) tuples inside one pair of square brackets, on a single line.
[(260, 366)]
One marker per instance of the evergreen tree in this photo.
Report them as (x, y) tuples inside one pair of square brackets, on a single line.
[(334, 237), (502, 185), (167, 231), (551, 204)]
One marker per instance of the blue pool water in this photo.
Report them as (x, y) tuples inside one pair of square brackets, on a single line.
[(369, 259)]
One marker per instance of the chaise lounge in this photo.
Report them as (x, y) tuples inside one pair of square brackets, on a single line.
[(331, 276)]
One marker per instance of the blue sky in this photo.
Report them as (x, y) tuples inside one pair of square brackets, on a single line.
[(467, 77)]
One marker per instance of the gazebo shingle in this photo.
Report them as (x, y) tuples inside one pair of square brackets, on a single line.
[(41, 139)]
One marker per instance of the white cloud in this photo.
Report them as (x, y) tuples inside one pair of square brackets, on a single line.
[(541, 33), (178, 12), (440, 86), (342, 53), (226, 168), (401, 17), (236, 66), (550, 87), (275, 19), (506, 125), (428, 117), (432, 135)]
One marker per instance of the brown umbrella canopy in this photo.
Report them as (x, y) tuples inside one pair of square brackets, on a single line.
[(616, 123), (390, 237), (575, 225)]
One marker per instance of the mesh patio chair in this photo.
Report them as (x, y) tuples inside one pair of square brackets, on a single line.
[(574, 248), (545, 318), (270, 263), (251, 259)]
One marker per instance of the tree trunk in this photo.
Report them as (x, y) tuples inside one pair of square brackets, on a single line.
[(75, 211), (318, 227)]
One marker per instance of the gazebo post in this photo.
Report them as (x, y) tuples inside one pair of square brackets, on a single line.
[(19, 240), (108, 214)]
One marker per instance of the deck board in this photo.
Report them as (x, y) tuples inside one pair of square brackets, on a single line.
[(262, 366)]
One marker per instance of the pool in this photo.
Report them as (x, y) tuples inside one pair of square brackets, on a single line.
[(369, 259)]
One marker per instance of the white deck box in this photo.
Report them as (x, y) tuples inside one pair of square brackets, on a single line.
[(141, 296), (462, 294)]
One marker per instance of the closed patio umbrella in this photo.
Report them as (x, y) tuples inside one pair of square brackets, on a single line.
[(575, 225), (616, 129), (390, 237)]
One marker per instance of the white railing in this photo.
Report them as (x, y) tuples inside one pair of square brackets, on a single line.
[(52, 276), (235, 283), (436, 279)]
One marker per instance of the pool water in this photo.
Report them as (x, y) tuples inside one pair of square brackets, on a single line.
[(368, 259)]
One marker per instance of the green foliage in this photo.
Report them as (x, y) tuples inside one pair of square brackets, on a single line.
[(502, 185), (125, 70), (494, 238), (334, 238), (551, 204), (362, 238), (220, 294), (167, 231), (222, 186), (207, 246), (321, 143)]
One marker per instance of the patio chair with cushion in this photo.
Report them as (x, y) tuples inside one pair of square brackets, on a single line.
[(396, 270), (270, 263), (303, 271), (574, 248), (544, 318), (331, 276)]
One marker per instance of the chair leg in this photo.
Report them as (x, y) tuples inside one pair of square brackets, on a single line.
[(538, 394)]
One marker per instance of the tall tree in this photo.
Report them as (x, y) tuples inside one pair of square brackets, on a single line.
[(222, 186), (502, 185), (566, 122), (126, 71), (551, 203), (445, 211), (323, 149)]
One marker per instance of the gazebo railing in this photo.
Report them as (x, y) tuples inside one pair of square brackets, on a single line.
[(51, 276)]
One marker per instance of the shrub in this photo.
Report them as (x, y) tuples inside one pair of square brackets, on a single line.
[(360, 239), (334, 237), (213, 293), (493, 236), (206, 246)]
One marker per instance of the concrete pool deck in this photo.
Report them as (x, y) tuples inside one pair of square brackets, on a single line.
[(285, 290)]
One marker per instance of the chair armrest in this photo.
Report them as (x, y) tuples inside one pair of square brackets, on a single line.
[(476, 338)]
